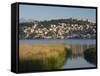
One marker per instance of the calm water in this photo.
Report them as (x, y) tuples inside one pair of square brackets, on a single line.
[(78, 46), (68, 41)]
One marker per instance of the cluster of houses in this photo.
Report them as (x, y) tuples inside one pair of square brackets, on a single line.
[(59, 31)]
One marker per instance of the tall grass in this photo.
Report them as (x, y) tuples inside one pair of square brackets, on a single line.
[(41, 56)]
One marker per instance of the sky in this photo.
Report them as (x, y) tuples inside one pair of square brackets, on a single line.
[(40, 13)]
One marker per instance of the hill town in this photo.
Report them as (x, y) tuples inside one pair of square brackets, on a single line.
[(58, 29)]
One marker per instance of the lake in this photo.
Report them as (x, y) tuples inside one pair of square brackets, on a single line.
[(77, 45)]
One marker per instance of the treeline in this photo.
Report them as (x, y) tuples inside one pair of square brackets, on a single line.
[(67, 21), (47, 23)]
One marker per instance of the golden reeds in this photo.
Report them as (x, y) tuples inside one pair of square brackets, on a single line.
[(41, 56)]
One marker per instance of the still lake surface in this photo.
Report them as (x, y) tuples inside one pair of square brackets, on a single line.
[(78, 46)]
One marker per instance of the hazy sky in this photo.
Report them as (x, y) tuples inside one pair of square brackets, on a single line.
[(34, 12)]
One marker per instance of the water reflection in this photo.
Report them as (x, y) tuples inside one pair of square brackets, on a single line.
[(77, 50)]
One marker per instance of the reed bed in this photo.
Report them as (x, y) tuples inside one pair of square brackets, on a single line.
[(41, 56)]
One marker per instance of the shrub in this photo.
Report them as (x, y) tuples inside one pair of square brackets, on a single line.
[(90, 55), (68, 52)]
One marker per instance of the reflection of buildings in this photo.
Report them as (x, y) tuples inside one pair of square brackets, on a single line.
[(77, 50)]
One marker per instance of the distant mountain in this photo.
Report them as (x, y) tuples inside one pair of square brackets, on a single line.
[(25, 21), (22, 20), (56, 21)]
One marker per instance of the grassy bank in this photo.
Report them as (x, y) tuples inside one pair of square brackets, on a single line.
[(41, 56)]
